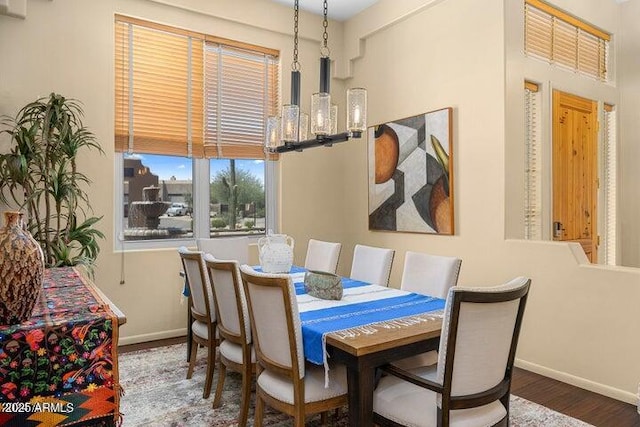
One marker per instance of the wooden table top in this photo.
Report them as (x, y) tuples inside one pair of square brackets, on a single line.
[(386, 338)]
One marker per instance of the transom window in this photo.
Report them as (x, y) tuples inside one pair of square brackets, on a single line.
[(564, 40)]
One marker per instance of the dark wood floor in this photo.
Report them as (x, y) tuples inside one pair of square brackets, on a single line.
[(587, 406)]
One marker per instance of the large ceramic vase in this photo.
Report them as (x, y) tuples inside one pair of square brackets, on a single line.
[(21, 270), (276, 253)]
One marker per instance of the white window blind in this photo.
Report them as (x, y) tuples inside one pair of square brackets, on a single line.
[(241, 91), (159, 89), (562, 39), (610, 172), (533, 175)]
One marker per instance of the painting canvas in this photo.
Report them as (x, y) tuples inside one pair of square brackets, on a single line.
[(411, 174)]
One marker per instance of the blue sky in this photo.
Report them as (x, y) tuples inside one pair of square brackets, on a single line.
[(180, 167)]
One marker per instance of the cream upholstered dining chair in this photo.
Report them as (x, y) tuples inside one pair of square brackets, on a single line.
[(431, 275), (236, 351), (204, 326), (322, 256), (231, 248), (283, 381), (371, 264), (470, 385)]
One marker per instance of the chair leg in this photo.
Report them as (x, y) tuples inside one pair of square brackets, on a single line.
[(506, 399), (259, 412), (246, 395), (211, 365), (323, 418), (189, 331), (298, 418), (222, 372), (192, 361)]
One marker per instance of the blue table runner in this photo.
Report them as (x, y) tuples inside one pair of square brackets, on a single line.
[(317, 323), (334, 316)]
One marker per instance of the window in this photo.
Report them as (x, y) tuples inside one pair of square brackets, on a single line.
[(189, 126), (533, 171), (158, 197), (610, 172), (561, 39), (237, 196)]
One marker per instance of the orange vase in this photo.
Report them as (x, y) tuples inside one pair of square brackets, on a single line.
[(21, 270)]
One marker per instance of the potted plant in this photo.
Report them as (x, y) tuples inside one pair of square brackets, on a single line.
[(39, 175)]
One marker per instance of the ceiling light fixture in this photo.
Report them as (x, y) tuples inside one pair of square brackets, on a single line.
[(289, 131)]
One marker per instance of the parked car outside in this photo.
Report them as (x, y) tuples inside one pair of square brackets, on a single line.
[(177, 209)]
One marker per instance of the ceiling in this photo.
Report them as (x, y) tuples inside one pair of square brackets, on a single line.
[(339, 10)]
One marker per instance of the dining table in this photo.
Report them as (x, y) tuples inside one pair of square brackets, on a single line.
[(370, 326)]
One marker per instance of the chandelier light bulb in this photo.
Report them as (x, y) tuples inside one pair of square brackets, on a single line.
[(303, 132), (357, 109), (273, 133), (290, 117), (334, 119), (321, 114)]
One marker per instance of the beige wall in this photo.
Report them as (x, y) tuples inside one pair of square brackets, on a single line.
[(629, 114), (581, 322), (67, 46)]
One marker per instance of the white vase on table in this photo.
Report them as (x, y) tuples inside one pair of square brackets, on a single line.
[(275, 252)]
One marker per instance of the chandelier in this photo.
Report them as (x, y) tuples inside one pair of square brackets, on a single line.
[(289, 132)]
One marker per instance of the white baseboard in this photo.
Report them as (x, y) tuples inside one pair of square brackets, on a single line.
[(614, 393), (134, 339)]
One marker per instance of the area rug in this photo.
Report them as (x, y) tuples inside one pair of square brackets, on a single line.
[(157, 393)]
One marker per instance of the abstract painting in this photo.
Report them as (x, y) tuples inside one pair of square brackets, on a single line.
[(411, 174)]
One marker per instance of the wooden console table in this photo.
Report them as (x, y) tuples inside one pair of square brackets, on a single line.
[(60, 367)]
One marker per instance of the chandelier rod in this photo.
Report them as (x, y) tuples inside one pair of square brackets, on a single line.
[(325, 61), (295, 65)]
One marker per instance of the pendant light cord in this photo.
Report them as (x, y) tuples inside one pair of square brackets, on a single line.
[(295, 65), (324, 50)]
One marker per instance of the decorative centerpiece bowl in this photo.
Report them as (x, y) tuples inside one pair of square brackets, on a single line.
[(324, 285)]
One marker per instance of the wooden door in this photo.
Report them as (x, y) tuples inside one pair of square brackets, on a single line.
[(575, 173)]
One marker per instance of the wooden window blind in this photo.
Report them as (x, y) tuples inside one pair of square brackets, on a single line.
[(533, 172), (562, 39), (159, 89), (184, 93), (241, 91), (610, 184)]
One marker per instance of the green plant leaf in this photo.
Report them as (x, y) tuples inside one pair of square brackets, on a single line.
[(40, 175)]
